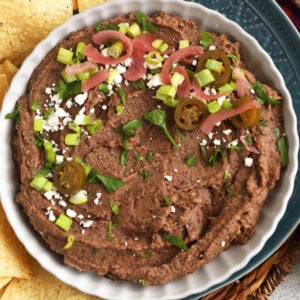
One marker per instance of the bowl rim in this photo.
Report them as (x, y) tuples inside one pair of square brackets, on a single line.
[(32, 61)]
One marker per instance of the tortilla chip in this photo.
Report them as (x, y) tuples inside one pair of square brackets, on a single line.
[(75, 5), (4, 281), (3, 87), (42, 286), (24, 23), (14, 260), (9, 69), (85, 4)]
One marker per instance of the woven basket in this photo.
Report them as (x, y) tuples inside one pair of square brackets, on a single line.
[(262, 281)]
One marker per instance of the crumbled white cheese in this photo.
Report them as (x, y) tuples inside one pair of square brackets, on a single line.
[(86, 224), (153, 81), (217, 142), (212, 47), (169, 178), (227, 131), (173, 209), (62, 203), (51, 216), (233, 143), (48, 90), (248, 161), (80, 98), (98, 196), (203, 142), (71, 213), (59, 159), (52, 195), (175, 170), (223, 243), (104, 107)]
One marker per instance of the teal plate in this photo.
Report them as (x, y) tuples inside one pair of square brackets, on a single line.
[(265, 21)]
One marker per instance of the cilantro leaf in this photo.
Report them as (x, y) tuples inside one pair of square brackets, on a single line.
[(100, 27), (35, 105), (114, 207), (283, 151), (158, 118), (214, 155), (111, 184), (176, 241), (190, 160), (261, 94), (65, 89), (14, 115), (146, 25)]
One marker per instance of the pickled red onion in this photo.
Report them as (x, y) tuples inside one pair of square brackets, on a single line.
[(208, 124)]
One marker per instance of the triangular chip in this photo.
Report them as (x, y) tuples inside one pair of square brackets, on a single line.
[(42, 286), (25, 23), (14, 260), (85, 4)]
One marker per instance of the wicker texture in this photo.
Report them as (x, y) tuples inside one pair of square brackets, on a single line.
[(262, 281)]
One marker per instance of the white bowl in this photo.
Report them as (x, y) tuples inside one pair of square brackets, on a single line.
[(230, 261)]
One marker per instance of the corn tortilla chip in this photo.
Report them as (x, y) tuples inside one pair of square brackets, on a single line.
[(3, 282), (9, 69), (75, 5), (3, 87), (14, 260), (42, 286), (85, 4), (24, 23)]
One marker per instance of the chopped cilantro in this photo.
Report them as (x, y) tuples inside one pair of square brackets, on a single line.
[(261, 95), (206, 39), (228, 190), (146, 255), (100, 27), (111, 184), (263, 123), (48, 112), (217, 152), (181, 136), (167, 201), (249, 139), (227, 175), (39, 139), (124, 157), (35, 105), (94, 250), (277, 132), (139, 85), (102, 87), (65, 89), (146, 25), (143, 281), (202, 151), (283, 151), (158, 118), (154, 71), (122, 95), (114, 207), (14, 115), (149, 155), (139, 157), (190, 160), (145, 175), (176, 241)]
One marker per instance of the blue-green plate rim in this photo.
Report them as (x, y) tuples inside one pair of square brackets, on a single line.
[(284, 33)]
